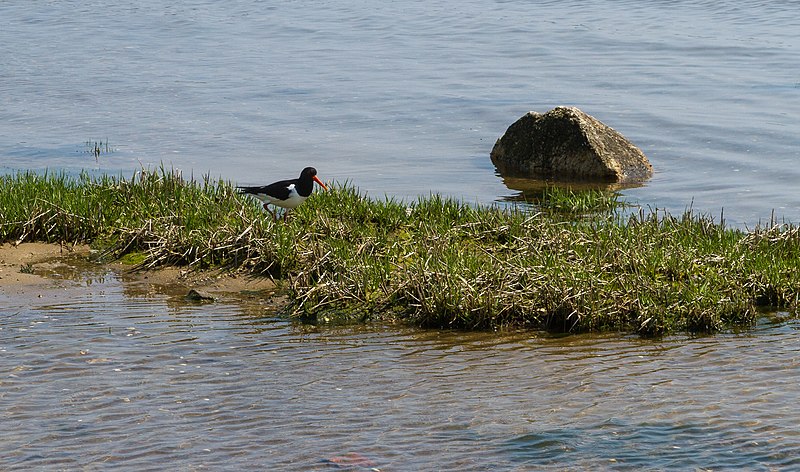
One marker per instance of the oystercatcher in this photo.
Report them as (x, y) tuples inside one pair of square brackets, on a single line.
[(286, 193)]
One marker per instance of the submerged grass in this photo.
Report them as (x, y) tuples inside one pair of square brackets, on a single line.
[(435, 262), (576, 203)]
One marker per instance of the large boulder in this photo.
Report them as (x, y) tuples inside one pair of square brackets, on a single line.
[(567, 144)]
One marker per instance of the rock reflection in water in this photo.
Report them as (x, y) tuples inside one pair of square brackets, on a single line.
[(535, 190)]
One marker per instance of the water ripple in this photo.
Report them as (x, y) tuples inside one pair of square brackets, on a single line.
[(393, 97), (100, 377)]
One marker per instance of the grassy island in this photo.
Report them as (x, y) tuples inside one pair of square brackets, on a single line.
[(571, 263)]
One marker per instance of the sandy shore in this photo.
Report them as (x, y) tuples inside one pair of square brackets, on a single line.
[(28, 268)]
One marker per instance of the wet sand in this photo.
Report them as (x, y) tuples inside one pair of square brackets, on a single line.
[(29, 268)]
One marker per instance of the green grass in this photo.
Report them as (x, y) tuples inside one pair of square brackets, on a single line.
[(434, 262), (576, 203)]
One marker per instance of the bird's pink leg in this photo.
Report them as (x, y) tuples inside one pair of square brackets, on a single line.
[(271, 212)]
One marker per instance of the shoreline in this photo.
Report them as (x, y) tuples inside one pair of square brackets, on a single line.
[(28, 269), (577, 264)]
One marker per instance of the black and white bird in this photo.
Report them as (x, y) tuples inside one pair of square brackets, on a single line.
[(286, 193)]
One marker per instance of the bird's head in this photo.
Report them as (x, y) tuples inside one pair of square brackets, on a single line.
[(310, 172)]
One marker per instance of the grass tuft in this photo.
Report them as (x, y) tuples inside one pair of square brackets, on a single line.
[(575, 203)]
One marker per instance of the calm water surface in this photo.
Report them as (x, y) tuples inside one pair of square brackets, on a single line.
[(100, 376), (406, 98), (401, 98)]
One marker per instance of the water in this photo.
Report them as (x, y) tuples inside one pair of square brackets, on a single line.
[(401, 98), (407, 98), (109, 375)]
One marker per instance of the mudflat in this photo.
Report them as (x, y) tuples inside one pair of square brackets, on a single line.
[(27, 269)]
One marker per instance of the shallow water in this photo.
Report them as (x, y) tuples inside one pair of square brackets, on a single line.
[(401, 98), (100, 375), (407, 98)]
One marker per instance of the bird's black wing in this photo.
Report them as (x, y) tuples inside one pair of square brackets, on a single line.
[(279, 190)]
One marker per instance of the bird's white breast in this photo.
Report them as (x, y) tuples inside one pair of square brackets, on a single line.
[(291, 202)]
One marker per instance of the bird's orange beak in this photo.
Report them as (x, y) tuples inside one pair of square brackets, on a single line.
[(320, 182)]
